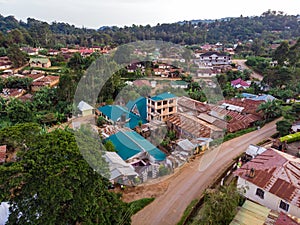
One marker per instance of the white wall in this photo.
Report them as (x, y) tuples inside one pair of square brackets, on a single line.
[(270, 200)]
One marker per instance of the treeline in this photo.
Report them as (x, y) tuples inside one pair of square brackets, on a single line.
[(270, 26)]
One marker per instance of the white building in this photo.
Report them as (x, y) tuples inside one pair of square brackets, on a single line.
[(272, 179), (214, 59)]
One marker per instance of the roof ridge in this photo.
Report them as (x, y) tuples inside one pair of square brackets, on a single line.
[(143, 149)]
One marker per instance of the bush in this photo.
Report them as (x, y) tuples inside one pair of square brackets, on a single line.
[(137, 205)]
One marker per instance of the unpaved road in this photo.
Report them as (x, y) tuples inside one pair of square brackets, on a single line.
[(168, 208), (242, 63)]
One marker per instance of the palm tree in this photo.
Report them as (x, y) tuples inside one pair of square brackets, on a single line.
[(270, 109)]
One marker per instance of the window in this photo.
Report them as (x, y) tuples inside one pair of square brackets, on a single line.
[(260, 193), (283, 205)]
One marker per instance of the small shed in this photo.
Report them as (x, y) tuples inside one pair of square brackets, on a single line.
[(85, 109)]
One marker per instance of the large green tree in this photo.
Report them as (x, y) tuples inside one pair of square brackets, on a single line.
[(17, 57), (53, 184), (220, 206)]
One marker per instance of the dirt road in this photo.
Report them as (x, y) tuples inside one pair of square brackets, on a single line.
[(167, 209), (242, 63)]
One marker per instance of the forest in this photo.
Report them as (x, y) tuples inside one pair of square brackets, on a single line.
[(271, 26)]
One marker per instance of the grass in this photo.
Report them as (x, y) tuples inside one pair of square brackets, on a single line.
[(188, 211), (137, 205)]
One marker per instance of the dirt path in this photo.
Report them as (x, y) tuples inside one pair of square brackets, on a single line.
[(242, 63), (191, 181)]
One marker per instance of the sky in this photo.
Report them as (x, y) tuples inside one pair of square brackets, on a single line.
[(97, 13)]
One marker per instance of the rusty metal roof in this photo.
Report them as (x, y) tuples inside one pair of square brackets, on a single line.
[(275, 172)]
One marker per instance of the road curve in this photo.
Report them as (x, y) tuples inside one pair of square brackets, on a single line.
[(242, 63), (168, 208)]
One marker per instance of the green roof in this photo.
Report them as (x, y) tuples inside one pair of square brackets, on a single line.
[(41, 60), (114, 112), (130, 143), (140, 104), (163, 96), (178, 82)]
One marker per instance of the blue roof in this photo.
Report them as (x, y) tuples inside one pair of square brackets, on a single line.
[(258, 97), (114, 112), (163, 96), (130, 143), (140, 105)]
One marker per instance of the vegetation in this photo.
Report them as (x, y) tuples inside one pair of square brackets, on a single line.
[(188, 211), (291, 138), (260, 29), (52, 179), (137, 205), (220, 206)]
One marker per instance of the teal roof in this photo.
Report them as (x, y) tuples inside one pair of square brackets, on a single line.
[(163, 96), (130, 143), (114, 112), (141, 106), (178, 82)]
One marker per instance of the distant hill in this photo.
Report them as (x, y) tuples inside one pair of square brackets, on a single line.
[(271, 26)]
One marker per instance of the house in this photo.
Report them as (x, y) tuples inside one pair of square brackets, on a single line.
[(5, 63), (130, 144), (119, 115), (188, 126), (262, 97), (240, 84), (3, 154), (296, 127), (4, 212), (40, 81), (30, 51), (120, 171), (141, 83), (214, 58), (254, 150), (252, 213), (206, 72), (40, 62), (85, 109), (179, 84), (138, 107), (191, 106), (12, 93), (272, 180), (161, 107)]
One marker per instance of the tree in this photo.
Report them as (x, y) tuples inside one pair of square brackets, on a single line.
[(281, 53), (270, 109), (283, 127), (19, 112), (17, 57), (109, 146), (76, 62), (220, 206), (53, 184)]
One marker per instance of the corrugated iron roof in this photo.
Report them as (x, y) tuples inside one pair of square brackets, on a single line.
[(275, 172)]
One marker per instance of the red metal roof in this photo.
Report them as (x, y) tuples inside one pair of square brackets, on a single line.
[(275, 172), (2, 153)]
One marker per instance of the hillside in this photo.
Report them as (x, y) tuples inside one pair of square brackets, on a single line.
[(270, 26)]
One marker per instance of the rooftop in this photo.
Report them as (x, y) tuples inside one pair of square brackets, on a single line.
[(254, 214), (115, 112), (275, 172), (163, 96), (130, 143), (82, 106)]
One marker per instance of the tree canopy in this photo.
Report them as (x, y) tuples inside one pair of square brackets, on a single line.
[(51, 183)]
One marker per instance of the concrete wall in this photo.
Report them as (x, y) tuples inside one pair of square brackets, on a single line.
[(270, 200)]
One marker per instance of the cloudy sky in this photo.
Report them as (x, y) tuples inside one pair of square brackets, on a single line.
[(97, 13)]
